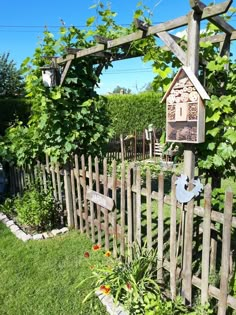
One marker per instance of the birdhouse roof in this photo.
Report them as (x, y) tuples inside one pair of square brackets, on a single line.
[(191, 76)]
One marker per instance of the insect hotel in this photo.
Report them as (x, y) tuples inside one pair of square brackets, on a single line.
[(185, 109)]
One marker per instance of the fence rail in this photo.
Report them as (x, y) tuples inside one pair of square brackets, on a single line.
[(118, 210)]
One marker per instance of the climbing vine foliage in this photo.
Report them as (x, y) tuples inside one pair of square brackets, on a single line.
[(72, 117)]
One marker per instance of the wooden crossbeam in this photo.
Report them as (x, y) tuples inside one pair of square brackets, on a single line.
[(65, 70), (207, 13), (217, 20), (173, 46)]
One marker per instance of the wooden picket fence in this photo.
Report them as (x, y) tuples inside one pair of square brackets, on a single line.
[(117, 208), (131, 147)]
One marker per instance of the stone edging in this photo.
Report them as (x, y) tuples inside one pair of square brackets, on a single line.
[(26, 237), (108, 302)]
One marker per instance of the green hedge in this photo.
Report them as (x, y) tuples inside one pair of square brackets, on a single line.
[(135, 112), (11, 109)]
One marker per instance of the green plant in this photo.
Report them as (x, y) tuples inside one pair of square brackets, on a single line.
[(156, 304), (35, 208), (8, 207), (128, 282)]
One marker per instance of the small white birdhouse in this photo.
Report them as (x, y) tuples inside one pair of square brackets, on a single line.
[(50, 76), (185, 108)]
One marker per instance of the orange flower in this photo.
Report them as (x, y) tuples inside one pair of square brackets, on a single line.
[(96, 247), (86, 254), (107, 253), (105, 289), (128, 286)]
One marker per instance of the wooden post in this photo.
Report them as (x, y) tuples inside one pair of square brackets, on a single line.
[(189, 157), (173, 245)]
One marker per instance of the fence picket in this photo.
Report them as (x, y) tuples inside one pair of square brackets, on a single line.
[(79, 195), (149, 209), (226, 241), (206, 244), (130, 213), (54, 186), (122, 212), (105, 192), (114, 213), (72, 177), (59, 191), (68, 197), (90, 166), (138, 207), (85, 194), (44, 179), (160, 227), (97, 178)]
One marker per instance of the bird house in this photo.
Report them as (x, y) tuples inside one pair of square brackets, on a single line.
[(50, 76), (185, 108)]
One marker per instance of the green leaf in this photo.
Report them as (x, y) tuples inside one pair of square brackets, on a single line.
[(90, 20), (211, 146), (215, 117), (230, 135), (225, 150), (218, 161), (56, 95), (213, 132)]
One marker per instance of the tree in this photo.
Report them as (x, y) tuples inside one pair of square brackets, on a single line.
[(11, 82), (121, 90)]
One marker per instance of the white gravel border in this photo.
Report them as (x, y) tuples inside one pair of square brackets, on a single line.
[(111, 307), (15, 229)]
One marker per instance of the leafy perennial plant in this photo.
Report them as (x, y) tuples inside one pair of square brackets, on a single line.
[(134, 285)]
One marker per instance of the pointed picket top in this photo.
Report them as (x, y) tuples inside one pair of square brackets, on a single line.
[(194, 80)]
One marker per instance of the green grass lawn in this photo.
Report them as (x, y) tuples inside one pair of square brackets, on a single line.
[(41, 277)]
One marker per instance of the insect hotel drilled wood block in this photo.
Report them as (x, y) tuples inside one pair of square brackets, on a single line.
[(185, 108)]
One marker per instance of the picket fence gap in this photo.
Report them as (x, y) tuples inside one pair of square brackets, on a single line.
[(139, 215)]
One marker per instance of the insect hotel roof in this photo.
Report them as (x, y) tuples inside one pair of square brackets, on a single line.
[(200, 89), (185, 109)]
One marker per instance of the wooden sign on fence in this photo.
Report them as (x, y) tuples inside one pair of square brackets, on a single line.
[(99, 199)]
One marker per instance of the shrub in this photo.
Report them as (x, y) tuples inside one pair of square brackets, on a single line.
[(135, 112), (35, 208)]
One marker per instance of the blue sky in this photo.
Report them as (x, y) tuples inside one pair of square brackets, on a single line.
[(22, 24)]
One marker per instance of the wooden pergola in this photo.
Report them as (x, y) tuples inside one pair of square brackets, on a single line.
[(198, 13)]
